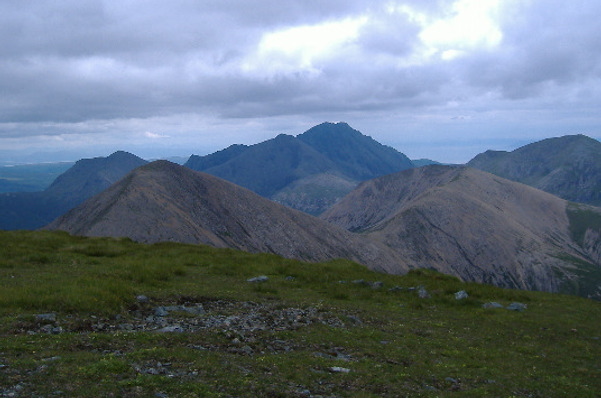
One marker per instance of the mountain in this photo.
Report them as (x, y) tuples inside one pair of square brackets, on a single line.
[(163, 201), (309, 172), (356, 155), (86, 178), (479, 227), (568, 166)]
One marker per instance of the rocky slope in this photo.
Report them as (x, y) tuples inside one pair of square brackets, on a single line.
[(569, 167), (477, 226), (309, 172), (86, 178), (163, 201)]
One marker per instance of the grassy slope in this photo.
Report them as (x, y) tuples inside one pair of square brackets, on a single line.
[(404, 346)]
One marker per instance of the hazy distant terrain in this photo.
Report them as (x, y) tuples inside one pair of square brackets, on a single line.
[(86, 178), (30, 177), (568, 166)]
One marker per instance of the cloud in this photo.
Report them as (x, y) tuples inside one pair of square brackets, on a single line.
[(114, 68)]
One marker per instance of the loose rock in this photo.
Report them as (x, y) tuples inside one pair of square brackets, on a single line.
[(492, 304), (460, 295), (256, 279), (517, 307)]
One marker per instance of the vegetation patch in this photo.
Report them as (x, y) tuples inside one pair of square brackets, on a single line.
[(581, 220), (106, 317)]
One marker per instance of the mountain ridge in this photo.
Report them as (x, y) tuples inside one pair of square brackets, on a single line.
[(86, 178), (162, 201), (474, 225), (282, 167), (567, 166)]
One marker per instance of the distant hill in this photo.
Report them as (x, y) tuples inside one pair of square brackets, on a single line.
[(479, 227), (309, 172), (30, 177), (423, 162), (86, 178), (568, 166), (163, 201)]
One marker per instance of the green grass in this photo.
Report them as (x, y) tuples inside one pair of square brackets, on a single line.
[(402, 345), (581, 220)]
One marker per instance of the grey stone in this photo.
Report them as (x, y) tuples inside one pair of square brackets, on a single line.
[(460, 295), (338, 369), (161, 311), (171, 329), (141, 298), (492, 304), (50, 317), (517, 307), (256, 279), (423, 293), (377, 285)]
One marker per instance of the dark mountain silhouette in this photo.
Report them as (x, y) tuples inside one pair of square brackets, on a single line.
[(163, 201), (356, 155), (479, 227), (568, 166), (86, 178), (309, 172)]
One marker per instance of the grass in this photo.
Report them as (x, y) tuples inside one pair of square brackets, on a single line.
[(581, 220), (400, 346)]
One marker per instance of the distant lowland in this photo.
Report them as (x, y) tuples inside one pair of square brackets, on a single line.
[(526, 219)]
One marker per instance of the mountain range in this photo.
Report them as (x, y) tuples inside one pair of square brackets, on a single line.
[(479, 227), (568, 166), (309, 172), (376, 207), (86, 178), (457, 220), (163, 201)]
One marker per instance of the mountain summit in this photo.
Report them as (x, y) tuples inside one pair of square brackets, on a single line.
[(163, 201), (568, 166), (309, 172), (86, 178)]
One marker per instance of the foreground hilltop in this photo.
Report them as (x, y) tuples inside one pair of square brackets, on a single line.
[(568, 166), (101, 317), (163, 201), (479, 227)]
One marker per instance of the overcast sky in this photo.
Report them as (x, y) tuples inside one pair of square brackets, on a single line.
[(442, 79)]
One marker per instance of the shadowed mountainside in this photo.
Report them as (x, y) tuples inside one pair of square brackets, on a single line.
[(568, 166), (166, 202), (480, 227), (86, 178), (309, 172)]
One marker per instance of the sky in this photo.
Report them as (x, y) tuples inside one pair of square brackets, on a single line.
[(438, 79)]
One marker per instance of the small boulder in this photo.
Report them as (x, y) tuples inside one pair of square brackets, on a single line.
[(517, 307), (460, 295), (377, 285), (50, 317), (141, 298), (256, 279), (423, 293), (492, 304), (338, 369), (160, 311)]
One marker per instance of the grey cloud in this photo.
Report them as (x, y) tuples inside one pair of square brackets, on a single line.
[(72, 62), (552, 42)]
